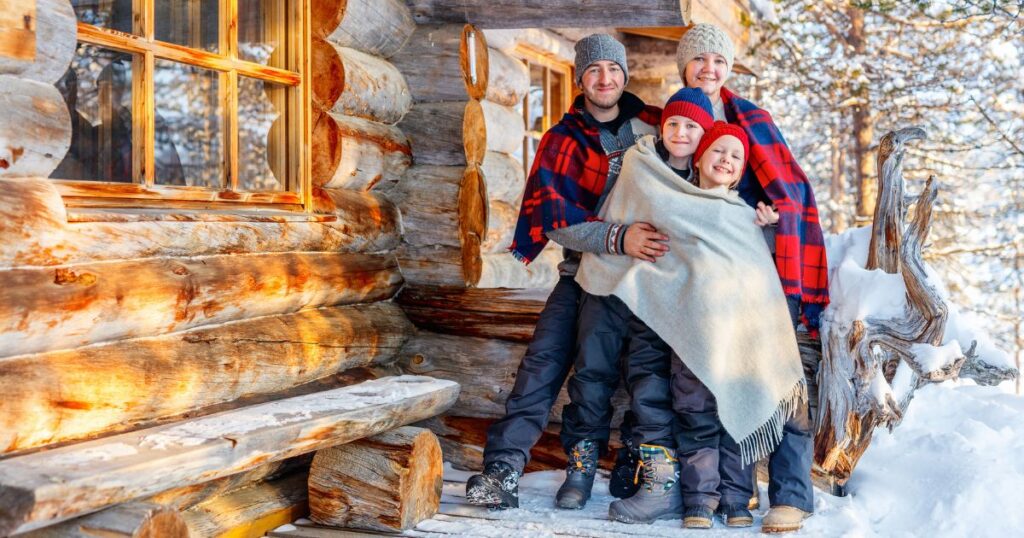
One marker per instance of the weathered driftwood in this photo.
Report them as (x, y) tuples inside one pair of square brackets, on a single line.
[(491, 127), (56, 31), (35, 127), (435, 132), (504, 314), (250, 511), (47, 487), (184, 498), (388, 482), (552, 14), (502, 270), (44, 309), (441, 205), (440, 265), (34, 229), (63, 395), (378, 27), (436, 63), (501, 224), (354, 83), (354, 153), (504, 177), (136, 519), (508, 79)]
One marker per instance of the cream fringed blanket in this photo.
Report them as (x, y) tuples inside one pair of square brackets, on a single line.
[(715, 297)]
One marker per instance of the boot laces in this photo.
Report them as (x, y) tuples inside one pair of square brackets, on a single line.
[(582, 458)]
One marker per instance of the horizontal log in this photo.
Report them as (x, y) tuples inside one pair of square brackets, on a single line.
[(440, 265), (129, 519), (354, 83), (34, 229), (45, 309), (184, 498), (65, 395), (441, 205), (502, 270), (500, 313), (539, 39), (378, 27), (251, 511), (505, 178), (551, 14), (56, 31), (491, 127), (508, 79), (501, 224), (48, 487), (388, 482), (357, 154), (435, 133), (436, 63), (35, 128), (484, 368)]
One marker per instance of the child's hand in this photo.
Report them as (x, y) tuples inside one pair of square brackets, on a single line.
[(766, 215)]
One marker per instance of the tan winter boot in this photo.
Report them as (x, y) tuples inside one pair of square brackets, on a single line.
[(783, 519)]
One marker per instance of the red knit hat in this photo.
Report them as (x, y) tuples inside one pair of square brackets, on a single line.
[(689, 103), (718, 130)]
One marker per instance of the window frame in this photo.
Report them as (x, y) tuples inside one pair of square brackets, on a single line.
[(295, 138), (532, 56)]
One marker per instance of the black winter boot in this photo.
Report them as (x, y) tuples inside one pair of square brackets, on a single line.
[(579, 476), (622, 483), (658, 498), (497, 487)]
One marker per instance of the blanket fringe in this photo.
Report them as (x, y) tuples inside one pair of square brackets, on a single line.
[(767, 437)]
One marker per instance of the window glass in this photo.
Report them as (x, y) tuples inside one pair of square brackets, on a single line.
[(261, 164), (190, 23), (189, 145)]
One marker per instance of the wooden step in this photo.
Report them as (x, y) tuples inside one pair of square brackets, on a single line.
[(43, 488)]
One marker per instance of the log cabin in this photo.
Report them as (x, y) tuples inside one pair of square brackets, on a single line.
[(253, 253)]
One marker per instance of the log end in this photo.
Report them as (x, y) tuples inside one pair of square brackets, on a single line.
[(473, 46), (426, 477), (325, 16), (474, 132), (472, 261), (329, 82), (326, 148), (165, 522)]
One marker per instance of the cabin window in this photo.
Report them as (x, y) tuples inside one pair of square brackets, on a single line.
[(550, 96), (190, 101)]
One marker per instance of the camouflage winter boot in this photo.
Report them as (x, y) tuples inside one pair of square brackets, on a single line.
[(496, 487), (658, 497), (579, 476)]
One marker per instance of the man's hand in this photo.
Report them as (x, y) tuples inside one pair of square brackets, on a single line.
[(643, 242), (766, 214)]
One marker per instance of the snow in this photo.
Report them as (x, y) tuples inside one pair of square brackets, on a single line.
[(932, 358)]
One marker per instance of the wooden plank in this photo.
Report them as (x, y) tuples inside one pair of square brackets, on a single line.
[(44, 309), (64, 395), (551, 13), (47, 487), (250, 511)]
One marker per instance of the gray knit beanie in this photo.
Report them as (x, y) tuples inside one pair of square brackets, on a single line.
[(700, 39), (597, 47)]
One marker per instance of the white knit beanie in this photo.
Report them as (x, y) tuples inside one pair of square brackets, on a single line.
[(700, 39)]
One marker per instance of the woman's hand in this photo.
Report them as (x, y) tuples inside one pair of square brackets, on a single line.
[(766, 215), (643, 242)]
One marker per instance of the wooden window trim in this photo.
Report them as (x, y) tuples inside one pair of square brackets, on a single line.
[(295, 140), (551, 64)]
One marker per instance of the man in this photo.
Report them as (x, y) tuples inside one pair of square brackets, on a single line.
[(576, 164)]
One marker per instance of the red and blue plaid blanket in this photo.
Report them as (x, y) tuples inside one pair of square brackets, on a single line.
[(799, 242)]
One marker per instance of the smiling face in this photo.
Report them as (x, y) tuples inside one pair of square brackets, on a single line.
[(708, 72), (722, 163), (681, 136), (602, 83)]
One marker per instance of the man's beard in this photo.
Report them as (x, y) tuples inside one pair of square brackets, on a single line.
[(611, 103)]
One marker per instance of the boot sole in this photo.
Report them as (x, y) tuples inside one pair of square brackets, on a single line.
[(697, 523), (739, 522), (636, 521), (780, 529)]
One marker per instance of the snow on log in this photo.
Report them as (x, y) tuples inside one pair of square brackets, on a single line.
[(435, 132), (508, 79), (251, 511), (44, 309), (436, 63), (56, 38), (504, 177), (130, 519), (552, 13), (378, 27), (65, 395), (500, 313), (357, 154), (35, 128), (354, 83), (47, 487), (501, 224), (388, 482), (441, 205), (440, 265)]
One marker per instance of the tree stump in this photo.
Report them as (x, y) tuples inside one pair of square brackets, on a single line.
[(388, 482)]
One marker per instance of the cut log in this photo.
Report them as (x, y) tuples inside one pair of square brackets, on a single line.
[(441, 205), (354, 83), (56, 32), (47, 487), (45, 309), (552, 14), (554, 45), (498, 313), (65, 395), (442, 266), (505, 178), (508, 79), (388, 482), (502, 270), (491, 127), (501, 225), (435, 133), (462, 359), (35, 128), (436, 63), (251, 511), (353, 153), (184, 498), (34, 229), (378, 27), (142, 520)]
